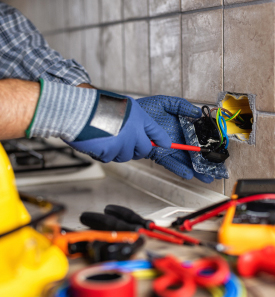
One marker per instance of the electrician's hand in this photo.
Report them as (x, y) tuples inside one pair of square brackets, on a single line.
[(131, 141), (165, 111), (104, 125)]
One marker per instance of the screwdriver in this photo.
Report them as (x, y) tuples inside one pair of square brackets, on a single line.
[(105, 222), (131, 217), (185, 147)]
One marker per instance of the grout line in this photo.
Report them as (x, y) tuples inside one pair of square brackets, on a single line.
[(181, 62), (123, 48), (149, 57), (257, 2), (223, 77), (265, 113), (149, 50), (223, 67), (112, 23)]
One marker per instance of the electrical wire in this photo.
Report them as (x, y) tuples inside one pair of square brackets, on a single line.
[(218, 125), (227, 111), (216, 291), (234, 116), (223, 127), (213, 123)]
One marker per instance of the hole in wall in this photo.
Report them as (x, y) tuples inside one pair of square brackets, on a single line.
[(244, 129)]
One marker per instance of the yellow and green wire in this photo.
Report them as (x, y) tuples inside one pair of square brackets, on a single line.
[(221, 124), (236, 115)]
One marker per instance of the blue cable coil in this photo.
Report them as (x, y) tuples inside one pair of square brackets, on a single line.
[(233, 287)]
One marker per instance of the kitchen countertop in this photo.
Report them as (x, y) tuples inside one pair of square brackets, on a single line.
[(94, 195)]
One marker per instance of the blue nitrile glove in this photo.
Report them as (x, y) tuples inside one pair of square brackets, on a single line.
[(104, 125), (132, 141), (165, 110)]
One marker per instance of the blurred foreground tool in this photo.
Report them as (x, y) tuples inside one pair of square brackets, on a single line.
[(28, 260), (250, 263), (96, 281), (119, 218), (181, 280), (98, 246)]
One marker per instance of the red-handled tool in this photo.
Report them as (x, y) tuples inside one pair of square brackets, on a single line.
[(186, 147), (252, 262), (98, 221), (182, 280), (131, 217), (211, 211)]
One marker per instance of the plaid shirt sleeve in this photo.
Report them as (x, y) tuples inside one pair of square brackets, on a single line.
[(25, 54)]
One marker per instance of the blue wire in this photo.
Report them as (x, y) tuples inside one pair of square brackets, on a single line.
[(62, 292), (225, 114), (233, 287), (129, 266), (223, 127)]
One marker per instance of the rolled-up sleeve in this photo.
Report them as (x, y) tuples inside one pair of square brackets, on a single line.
[(25, 54)]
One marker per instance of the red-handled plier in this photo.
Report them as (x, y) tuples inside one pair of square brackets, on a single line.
[(181, 280)]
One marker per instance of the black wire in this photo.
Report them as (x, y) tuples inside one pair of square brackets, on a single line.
[(213, 123)]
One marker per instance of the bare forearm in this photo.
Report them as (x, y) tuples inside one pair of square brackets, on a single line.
[(18, 102)]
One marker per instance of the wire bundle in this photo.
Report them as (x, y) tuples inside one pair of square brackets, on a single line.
[(220, 124)]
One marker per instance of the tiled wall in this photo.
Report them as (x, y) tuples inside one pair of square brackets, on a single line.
[(189, 48)]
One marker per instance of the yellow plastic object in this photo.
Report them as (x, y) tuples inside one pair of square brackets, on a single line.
[(241, 238), (28, 260), (233, 104)]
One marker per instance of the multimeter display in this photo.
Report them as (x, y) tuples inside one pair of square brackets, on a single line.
[(259, 212), (254, 186), (255, 213)]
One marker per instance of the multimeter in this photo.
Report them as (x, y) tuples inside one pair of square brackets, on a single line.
[(249, 226)]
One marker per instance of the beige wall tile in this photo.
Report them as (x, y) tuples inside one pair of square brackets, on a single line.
[(202, 56), (227, 2), (76, 48), (94, 55), (113, 58), (56, 14), (257, 161), (91, 11), (163, 6), (135, 9), (249, 52), (111, 10), (197, 4), (216, 185), (75, 13), (137, 57), (165, 48)]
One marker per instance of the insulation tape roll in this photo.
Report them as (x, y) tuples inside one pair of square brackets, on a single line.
[(96, 282)]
